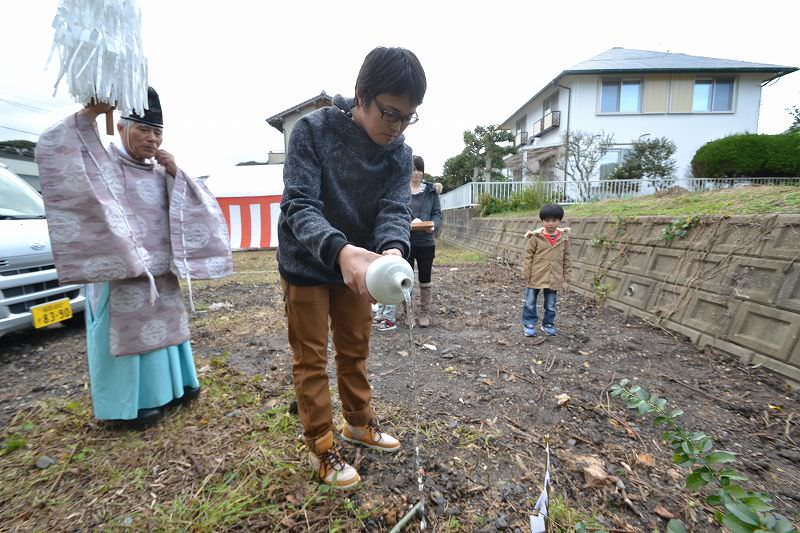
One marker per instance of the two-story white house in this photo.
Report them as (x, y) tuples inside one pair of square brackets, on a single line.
[(634, 94)]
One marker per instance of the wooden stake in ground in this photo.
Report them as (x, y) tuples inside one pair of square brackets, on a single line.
[(100, 49)]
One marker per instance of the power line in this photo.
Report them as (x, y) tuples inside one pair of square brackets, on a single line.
[(21, 131), (53, 106), (27, 107)]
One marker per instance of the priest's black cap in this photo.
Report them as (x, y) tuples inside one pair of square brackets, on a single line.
[(152, 115)]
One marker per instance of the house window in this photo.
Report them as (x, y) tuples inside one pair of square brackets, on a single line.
[(610, 160), (521, 124), (621, 96), (550, 104), (712, 95)]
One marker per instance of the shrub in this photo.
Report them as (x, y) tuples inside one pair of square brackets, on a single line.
[(749, 155), (529, 198), (648, 159), (489, 205)]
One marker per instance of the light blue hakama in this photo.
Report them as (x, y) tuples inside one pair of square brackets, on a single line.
[(121, 385)]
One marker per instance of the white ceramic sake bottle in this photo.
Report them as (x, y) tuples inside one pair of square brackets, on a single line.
[(388, 278)]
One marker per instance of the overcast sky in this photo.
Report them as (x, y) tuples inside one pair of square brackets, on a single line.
[(222, 68)]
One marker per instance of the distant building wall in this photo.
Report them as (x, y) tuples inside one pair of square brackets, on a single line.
[(733, 283), (276, 158)]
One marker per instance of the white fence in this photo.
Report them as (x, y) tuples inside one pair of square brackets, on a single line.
[(570, 192)]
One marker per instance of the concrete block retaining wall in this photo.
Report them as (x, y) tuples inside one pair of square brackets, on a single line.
[(733, 283)]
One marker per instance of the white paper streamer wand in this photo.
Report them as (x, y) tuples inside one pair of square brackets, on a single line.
[(101, 57)]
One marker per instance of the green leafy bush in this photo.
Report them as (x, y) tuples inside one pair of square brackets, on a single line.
[(647, 159), (749, 155), (489, 205), (527, 199)]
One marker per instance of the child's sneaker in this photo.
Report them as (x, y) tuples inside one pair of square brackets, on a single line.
[(529, 331), (386, 325), (549, 329)]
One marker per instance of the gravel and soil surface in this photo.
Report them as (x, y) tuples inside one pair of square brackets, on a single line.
[(486, 399)]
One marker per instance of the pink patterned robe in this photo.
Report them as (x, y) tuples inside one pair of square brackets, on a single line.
[(116, 219)]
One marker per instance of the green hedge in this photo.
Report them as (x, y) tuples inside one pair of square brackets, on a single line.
[(749, 155)]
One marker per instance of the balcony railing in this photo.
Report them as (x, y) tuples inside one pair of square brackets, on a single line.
[(550, 121)]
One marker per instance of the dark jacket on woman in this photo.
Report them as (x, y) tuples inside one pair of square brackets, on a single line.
[(429, 210)]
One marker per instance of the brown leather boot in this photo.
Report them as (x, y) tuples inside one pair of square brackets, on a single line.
[(425, 297)]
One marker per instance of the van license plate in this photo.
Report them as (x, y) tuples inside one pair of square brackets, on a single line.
[(51, 313)]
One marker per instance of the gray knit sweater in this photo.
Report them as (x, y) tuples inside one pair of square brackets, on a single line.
[(340, 188)]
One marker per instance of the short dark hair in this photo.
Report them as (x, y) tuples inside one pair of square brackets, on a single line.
[(395, 71), (419, 163), (551, 211)]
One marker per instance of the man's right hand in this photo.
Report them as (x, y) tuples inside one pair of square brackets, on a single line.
[(92, 109), (353, 262)]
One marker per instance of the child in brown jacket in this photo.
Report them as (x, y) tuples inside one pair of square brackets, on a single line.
[(547, 268)]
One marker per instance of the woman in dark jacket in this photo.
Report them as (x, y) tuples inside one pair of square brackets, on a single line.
[(424, 208)]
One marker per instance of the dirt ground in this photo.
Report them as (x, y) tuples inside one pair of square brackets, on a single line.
[(485, 399)]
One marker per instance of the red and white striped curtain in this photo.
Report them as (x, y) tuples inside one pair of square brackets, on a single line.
[(252, 221)]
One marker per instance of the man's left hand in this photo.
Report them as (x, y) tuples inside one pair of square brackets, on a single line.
[(392, 251), (167, 160)]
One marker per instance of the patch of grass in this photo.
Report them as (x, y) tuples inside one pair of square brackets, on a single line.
[(13, 442), (736, 201), (469, 435), (231, 461), (562, 518), (254, 266), (448, 254)]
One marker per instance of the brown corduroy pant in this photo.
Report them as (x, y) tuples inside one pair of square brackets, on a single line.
[(308, 309)]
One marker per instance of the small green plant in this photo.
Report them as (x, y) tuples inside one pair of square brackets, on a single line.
[(679, 228), (453, 524), (739, 510), (621, 224), (598, 241), (601, 290), (562, 518), (14, 442)]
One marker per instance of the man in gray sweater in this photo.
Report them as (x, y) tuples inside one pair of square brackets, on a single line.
[(345, 202)]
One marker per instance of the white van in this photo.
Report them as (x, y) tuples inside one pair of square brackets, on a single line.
[(30, 295)]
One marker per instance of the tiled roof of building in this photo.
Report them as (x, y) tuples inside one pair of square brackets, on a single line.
[(276, 121), (626, 60)]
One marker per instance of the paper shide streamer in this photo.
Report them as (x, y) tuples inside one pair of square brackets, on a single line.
[(539, 520), (101, 56)]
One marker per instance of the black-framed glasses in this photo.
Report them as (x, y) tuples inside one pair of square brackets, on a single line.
[(393, 117)]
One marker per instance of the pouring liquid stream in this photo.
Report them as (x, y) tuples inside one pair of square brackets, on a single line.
[(413, 353)]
